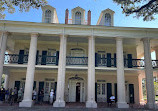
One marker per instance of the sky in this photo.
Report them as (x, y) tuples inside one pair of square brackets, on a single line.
[(96, 6)]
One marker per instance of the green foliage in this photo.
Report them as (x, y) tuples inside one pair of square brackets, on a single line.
[(24, 5), (156, 87), (141, 8), (3, 78)]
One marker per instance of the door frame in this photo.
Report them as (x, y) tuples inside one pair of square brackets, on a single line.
[(82, 88)]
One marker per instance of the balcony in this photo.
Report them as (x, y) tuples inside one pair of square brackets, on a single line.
[(23, 59), (76, 61)]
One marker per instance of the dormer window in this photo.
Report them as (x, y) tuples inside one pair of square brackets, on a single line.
[(78, 18), (47, 16), (107, 19)]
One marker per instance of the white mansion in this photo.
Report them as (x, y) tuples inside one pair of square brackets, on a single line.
[(81, 62)]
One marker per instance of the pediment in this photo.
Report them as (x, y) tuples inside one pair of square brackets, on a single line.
[(108, 10), (78, 9), (48, 7)]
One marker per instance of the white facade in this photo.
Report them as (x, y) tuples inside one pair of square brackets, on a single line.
[(81, 63)]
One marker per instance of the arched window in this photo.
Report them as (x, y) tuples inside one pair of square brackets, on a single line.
[(77, 52), (107, 19), (78, 18), (47, 16)]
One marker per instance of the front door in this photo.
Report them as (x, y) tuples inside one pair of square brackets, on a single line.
[(76, 91), (72, 91)]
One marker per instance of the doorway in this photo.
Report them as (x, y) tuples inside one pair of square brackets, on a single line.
[(78, 92), (76, 88)]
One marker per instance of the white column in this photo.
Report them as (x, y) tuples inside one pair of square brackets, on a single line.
[(27, 100), (61, 74), (3, 45), (91, 74), (149, 74), (120, 75), (6, 81)]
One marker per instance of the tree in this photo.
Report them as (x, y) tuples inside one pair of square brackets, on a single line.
[(142, 8), (24, 5)]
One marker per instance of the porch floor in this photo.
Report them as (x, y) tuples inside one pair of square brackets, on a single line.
[(76, 105)]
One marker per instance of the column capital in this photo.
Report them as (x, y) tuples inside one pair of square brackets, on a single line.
[(61, 35), (34, 34), (145, 38), (119, 38), (92, 36)]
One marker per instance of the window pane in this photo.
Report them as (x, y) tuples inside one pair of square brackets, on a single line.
[(107, 19), (103, 89), (47, 16), (98, 89), (78, 18)]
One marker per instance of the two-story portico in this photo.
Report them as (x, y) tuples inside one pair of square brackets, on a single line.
[(82, 63)]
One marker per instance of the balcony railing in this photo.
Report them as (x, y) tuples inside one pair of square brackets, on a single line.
[(82, 61), (76, 60), (21, 59)]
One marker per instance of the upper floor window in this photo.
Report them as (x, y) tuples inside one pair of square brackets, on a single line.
[(107, 19), (77, 52), (78, 18), (47, 16), (51, 52)]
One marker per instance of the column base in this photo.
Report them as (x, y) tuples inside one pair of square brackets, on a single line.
[(91, 104), (151, 106), (58, 103), (26, 103), (122, 105)]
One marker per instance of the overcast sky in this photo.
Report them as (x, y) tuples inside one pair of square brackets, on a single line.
[(96, 6)]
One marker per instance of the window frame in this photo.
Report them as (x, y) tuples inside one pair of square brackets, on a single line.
[(48, 15)]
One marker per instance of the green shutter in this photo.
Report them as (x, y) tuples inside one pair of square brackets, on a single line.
[(115, 86), (131, 93), (37, 57), (21, 57), (108, 60), (109, 92), (96, 60), (44, 55), (57, 57), (115, 60), (129, 60)]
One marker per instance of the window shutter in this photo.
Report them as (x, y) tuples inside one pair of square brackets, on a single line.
[(21, 57), (44, 57), (115, 85), (129, 60), (108, 60), (131, 93), (57, 57), (55, 89), (37, 54), (96, 60), (109, 92), (115, 60)]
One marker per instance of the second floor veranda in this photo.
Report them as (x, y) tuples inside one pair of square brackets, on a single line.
[(77, 61), (48, 50)]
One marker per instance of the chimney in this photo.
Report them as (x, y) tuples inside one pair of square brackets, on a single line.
[(66, 16), (89, 18)]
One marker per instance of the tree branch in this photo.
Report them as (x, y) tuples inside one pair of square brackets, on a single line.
[(144, 6)]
